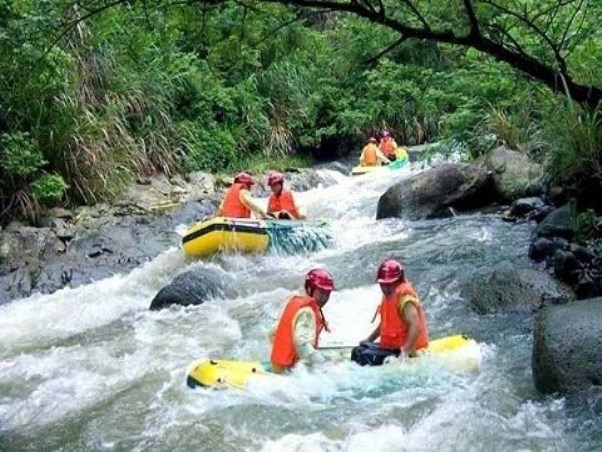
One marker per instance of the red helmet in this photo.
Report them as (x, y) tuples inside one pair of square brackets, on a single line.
[(390, 271), (372, 140), (243, 178), (319, 279), (275, 178)]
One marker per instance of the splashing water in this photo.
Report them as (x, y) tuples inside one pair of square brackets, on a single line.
[(92, 369)]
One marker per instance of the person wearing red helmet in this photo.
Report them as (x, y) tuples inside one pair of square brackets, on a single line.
[(372, 156), (297, 333), (388, 146), (281, 203), (402, 327), (237, 202)]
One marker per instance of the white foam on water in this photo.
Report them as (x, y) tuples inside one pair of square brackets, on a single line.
[(112, 373)]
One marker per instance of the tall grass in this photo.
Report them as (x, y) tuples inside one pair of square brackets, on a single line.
[(574, 140)]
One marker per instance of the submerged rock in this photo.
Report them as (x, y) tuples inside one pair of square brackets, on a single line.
[(505, 288), (193, 287)]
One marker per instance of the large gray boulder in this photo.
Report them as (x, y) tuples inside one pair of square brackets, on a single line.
[(567, 349), (192, 287), (504, 288), (431, 193), (515, 174)]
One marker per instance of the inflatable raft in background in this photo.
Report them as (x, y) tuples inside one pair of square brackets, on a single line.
[(458, 353), (397, 164), (222, 234)]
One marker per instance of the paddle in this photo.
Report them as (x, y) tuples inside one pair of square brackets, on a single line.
[(372, 345), (337, 347)]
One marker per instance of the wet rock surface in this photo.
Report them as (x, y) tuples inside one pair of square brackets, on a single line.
[(431, 193), (505, 288), (71, 248), (567, 348)]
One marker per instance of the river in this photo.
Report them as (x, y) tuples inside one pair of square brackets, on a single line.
[(93, 369)]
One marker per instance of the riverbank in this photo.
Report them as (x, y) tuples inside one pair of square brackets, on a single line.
[(88, 243)]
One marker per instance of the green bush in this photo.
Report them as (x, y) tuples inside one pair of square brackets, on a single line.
[(586, 225), (49, 189), (20, 158)]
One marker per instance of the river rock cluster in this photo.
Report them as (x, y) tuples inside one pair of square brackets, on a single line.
[(567, 347)]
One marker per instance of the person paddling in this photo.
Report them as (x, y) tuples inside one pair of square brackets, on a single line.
[(237, 202), (372, 156), (388, 146), (281, 203), (297, 334), (402, 327)]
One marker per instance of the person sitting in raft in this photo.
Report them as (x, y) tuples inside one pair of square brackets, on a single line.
[(402, 327), (388, 146), (237, 202), (372, 156), (281, 203), (297, 334)]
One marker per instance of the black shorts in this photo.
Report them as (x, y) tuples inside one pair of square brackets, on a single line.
[(372, 354)]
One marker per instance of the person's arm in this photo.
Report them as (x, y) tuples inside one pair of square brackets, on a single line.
[(374, 335), (247, 200), (410, 314), (300, 215), (382, 157), (304, 336)]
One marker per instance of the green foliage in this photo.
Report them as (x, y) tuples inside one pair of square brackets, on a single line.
[(19, 157), (574, 140), (262, 163), (49, 189), (140, 89), (586, 225)]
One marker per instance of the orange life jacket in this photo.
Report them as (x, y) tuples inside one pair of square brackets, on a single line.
[(284, 354), (232, 206), (370, 158), (284, 201), (386, 147), (393, 327)]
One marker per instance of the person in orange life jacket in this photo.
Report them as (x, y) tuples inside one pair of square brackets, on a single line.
[(403, 323), (281, 203), (237, 202), (388, 145), (372, 156), (297, 333)]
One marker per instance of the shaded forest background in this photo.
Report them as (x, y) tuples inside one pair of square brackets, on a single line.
[(94, 94)]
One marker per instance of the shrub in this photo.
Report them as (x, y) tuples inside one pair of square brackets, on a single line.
[(49, 189)]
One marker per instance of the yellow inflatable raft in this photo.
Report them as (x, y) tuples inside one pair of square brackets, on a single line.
[(251, 236), (397, 164), (225, 234), (458, 353)]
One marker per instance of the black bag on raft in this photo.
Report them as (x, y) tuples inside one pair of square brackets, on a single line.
[(371, 354)]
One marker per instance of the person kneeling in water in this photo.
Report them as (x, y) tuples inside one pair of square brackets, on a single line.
[(298, 332), (281, 203), (402, 328)]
